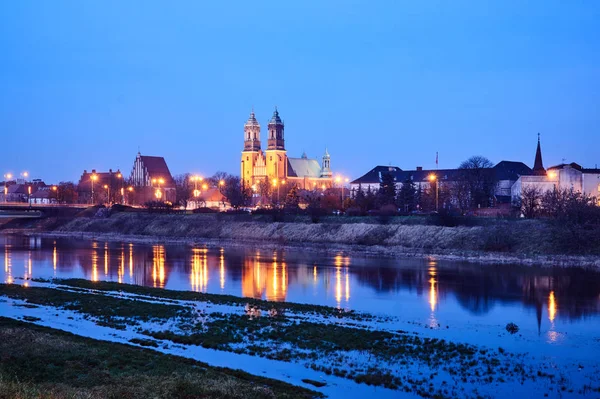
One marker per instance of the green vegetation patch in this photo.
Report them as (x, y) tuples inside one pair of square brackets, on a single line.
[(281, 307), (108, 309), (38, 362)]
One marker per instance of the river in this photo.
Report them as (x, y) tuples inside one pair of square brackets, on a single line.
[(557, 309)]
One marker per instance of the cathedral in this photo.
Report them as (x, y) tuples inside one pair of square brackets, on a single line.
[(274, 166)]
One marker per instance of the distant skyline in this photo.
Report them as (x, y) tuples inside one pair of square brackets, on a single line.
[(85, 84)]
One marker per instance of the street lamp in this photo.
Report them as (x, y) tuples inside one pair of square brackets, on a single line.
[(433, 178), (120, 185), (7, 177), (93, 178), (107, 187)]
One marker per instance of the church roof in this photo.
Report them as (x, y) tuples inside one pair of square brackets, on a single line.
[(252, 120), (538, 166), (157, 168), (275, 119), (303, 167)]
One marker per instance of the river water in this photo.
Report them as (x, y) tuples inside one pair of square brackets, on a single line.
[(557, 309)]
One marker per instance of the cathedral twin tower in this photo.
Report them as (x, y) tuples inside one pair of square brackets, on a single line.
[(273, 165)]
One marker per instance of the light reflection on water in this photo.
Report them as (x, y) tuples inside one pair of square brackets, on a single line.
[(548, 301)]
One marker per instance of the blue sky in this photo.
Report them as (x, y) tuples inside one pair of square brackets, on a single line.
[(84, 83)]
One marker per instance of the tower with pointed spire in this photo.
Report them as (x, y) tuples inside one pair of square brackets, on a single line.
[(252, 133), (251, 155), (276, 127), (276, 155), (538, 165), (273, 165), (326, 165)]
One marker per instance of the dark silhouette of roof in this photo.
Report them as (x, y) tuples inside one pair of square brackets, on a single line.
[(511, 170), (538, 165), (504, 170)]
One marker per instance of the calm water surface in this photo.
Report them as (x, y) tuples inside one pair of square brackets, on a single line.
[(553, 306)]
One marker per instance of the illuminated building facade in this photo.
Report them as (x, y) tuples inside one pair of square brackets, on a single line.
[(273, 165)]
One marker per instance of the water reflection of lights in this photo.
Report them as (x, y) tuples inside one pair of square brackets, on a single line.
[(131, 261), (94, 263), (121, 271), (222, 268), (54, 257), (315, 273), (433, 294), (8, 264), (551, 306), (199, 274), (158, 265), (105, 259), (340, 261)]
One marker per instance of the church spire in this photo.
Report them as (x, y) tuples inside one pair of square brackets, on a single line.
[(276, 131), (538, 166), (252, 133)]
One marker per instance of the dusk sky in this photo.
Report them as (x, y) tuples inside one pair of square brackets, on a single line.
[(84, 84)]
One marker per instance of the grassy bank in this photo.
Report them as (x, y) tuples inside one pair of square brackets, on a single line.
[(330, 344), (519, 238), (39, 362)]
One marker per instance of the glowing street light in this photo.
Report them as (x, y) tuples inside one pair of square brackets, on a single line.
[(7, 177), (107, 188), (433, 178), (93, 178)]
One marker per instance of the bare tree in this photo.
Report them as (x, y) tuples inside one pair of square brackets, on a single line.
[(183, 189), (477, 174), (530, 201)]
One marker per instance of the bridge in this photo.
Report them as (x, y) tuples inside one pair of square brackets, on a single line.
[(24, 210)]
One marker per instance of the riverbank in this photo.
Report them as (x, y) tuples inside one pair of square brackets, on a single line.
[(44, 362), (495, 241)]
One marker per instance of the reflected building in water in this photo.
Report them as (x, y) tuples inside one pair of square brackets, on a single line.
[(264, 277), (553, 293)]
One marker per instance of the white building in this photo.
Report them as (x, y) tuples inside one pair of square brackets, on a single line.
[(560, 177)]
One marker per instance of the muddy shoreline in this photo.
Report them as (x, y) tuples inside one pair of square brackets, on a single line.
[(389, 251)]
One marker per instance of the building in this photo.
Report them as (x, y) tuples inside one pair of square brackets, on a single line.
[(101, 187), (560, 177), (273, 165), (43, 196), (151, 180), (503, 175)]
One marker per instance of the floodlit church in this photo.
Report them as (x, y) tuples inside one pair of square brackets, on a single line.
[(274, 166)]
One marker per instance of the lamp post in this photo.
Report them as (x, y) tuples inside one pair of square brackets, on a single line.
[(121, 188), (29, 195), (433, 178), (55, 189), (93, 178), (7, 177), (107, 187)]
